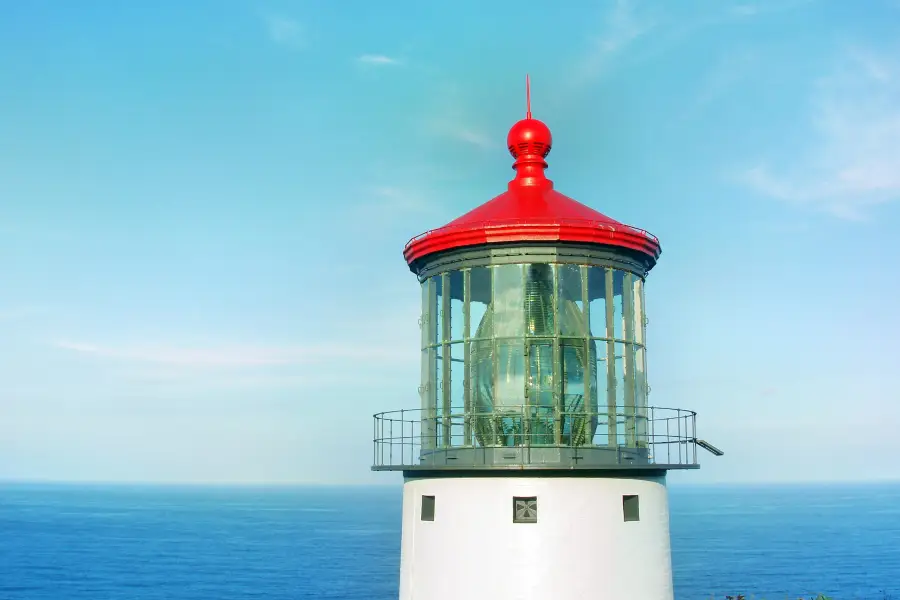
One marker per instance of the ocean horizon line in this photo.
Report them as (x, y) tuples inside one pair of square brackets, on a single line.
[(37, 482)]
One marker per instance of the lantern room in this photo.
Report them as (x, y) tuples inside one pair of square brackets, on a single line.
[(533, 346)]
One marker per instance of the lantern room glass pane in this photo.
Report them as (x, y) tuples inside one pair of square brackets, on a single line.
[(540, 394), (508, 313), (427, 311), (457, 393), (620, 393), (426, 388), (570, 302), (598, 296), (427, 393), (438, 308), (574, 423), (509, 389), (618, 330), (481, 374), (539, 312), (638, 296), (438, 377), (457, 316), (457, 378), (602, 435), (640, 397), (480, 293)]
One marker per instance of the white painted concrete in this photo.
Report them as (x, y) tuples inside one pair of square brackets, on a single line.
[(580, 548)]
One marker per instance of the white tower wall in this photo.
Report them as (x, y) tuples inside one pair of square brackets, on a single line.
[(580, 547)]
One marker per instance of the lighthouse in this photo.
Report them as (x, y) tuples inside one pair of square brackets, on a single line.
[(535, 464)]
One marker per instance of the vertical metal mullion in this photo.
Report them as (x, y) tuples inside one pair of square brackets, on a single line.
[(628, 330), (495, 357), (612, 427), (557, 382), (644, 320), (446, 363), (429, 414), (467, 393), (590, 361), (640, 396)]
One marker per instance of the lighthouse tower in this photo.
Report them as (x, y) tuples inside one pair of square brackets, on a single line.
[(535, 467)]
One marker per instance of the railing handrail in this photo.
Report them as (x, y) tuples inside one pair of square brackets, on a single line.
[(512, 407), (420, 438)]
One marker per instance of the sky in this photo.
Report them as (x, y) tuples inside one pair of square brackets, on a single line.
[(203, 208)]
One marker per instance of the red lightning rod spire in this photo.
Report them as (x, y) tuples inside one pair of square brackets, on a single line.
[(528, 96)]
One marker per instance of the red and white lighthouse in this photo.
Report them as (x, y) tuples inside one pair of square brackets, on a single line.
[(534, 466)]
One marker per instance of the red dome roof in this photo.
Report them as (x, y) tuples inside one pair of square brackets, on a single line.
[(531, 210)]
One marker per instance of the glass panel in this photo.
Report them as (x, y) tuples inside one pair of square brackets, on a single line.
[(620, 394), (602, 433), (439, 381), (597, 297), (509, 389), (479, 302), (540, 394), (457, 394), (457, 378), (592, 404), (570, 301), (618, 314), (574, 431), (640, 397), (628, 307), (426, 391), (457, 318), (628, 353), (509, 302), (438, 308), (539, 313), (426, 387), (426, 314), (640, 367), (638, 310), (481, 388)]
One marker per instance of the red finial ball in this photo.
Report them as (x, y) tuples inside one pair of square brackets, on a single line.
[(529, 137)]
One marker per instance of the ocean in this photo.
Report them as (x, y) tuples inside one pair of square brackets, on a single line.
[(76, 542)]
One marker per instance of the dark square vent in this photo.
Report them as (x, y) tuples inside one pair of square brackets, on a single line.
[(525, 509)]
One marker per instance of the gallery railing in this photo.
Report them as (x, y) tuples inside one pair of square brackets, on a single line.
[(531, 437)]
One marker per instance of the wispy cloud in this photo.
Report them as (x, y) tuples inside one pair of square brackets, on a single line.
[(854, 162), (234, 356), (452, 116), (389, 208), (476, 138), (387, 336), (728, 70), (744, 10), (763, 7), (377, 60), (629, 31), (621, 26), (286, 31), (458, 130)]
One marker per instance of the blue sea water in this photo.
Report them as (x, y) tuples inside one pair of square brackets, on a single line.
[(216, 543)]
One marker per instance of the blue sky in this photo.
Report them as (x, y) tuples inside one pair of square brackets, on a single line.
[(203, 207)]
